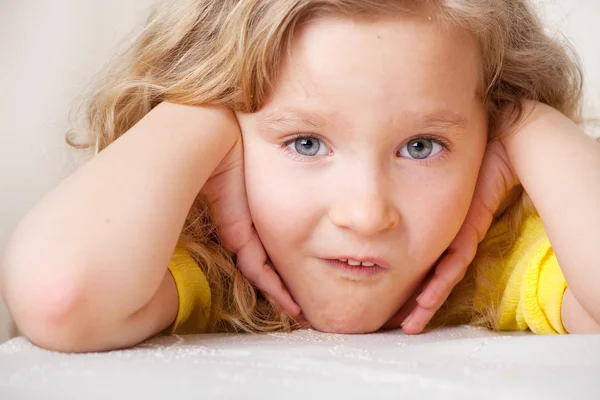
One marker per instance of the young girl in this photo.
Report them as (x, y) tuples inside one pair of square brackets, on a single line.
[(371, 144)]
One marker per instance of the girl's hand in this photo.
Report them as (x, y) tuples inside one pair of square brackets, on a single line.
[(226, 192), (495, 183)]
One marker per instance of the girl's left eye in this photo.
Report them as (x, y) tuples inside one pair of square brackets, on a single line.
[(421, 148), (308, 146)]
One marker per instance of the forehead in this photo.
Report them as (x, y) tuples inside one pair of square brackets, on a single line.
[(405, 62)]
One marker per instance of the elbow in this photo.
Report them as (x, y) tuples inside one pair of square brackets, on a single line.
[(47, 311), (577, 319), (47, 297), (58, 305), (49, 319)]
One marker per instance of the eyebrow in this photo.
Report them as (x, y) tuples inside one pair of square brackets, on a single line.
[(441, 119), (285, 119)]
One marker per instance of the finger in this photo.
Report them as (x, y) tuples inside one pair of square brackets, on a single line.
[(417, 320), (453, 265), (271, 283), (451, 268), (436, 292), (252, 263), (448, 272), (268, 281)]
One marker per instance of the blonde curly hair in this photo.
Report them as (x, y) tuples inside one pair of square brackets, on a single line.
[(227, 53)]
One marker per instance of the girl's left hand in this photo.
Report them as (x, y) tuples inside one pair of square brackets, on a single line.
[(226, 192), (494, 185)]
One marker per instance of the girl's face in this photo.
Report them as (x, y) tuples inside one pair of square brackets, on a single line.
[(368, 151)]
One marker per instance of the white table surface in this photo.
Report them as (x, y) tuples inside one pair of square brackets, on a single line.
[(457, 363)]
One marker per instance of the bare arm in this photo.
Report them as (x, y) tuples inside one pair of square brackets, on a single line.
[(559, 167), (90, 259)]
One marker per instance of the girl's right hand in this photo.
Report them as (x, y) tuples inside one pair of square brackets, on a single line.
[(226, 192)]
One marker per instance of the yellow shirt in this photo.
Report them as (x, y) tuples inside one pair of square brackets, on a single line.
[(533, 287), (533, 294), (194, 295)]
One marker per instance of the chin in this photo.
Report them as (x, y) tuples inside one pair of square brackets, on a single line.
[(346, 323)]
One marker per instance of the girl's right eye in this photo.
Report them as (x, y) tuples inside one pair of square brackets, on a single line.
[(307, 146)]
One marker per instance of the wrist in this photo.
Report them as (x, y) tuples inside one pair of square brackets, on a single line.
[(193, 139), (536, 119), (202, 123)]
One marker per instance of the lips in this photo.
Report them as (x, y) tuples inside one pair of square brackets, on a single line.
[(361, 261), (362, 269)]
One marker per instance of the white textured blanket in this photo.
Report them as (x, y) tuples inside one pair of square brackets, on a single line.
[(459, 363)]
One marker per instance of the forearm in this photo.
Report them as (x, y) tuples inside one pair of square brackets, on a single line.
[(559, 167), (101, 241)]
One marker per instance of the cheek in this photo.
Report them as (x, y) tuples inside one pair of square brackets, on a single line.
[(285, 215), (450, 210), (279, 204), (437, 213)]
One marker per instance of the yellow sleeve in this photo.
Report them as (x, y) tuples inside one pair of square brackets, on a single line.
[(533, 295), (193, 292)]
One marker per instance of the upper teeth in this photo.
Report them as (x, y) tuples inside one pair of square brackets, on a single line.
[(355, 263)]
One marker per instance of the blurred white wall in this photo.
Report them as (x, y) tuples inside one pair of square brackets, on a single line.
[(578, 21), (50, 50)]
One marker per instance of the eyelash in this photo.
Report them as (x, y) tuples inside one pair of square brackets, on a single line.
[(446, 146), (297, 156)]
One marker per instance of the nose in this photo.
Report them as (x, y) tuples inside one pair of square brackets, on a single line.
[(366, 208)]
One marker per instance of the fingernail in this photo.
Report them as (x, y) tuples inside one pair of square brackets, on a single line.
[(406, 321), (425, 299), (296, 311)]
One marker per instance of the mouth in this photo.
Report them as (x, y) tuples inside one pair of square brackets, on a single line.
[(355, 269)]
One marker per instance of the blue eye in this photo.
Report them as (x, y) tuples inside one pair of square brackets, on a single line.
[(421, 148), (308, 146)]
